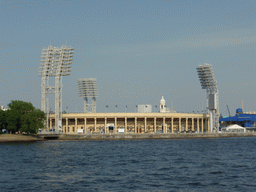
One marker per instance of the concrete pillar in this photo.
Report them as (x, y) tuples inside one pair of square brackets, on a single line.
[(145, 119), (197, 125), (116, 130), (75, 125), (186, 124), (164, 128), (179, 124), (172, 124), (154, 124), (193, 129), (85, 128), (106, 130), (135, 122), (95, 124), (66, 125), (62, 123), (202, 123), (208, 124), (125, 124), (50, 123)]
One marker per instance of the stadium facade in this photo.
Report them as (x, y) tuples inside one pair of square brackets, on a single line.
[(114, 123)]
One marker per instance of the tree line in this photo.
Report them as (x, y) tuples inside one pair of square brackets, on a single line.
[(22, 117)]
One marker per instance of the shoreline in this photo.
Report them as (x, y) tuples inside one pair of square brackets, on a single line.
[(7, 138), (91, 137)]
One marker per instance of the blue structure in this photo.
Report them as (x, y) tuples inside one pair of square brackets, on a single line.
[(244, 120)]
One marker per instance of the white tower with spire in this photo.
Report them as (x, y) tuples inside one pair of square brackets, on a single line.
[(162, 105)]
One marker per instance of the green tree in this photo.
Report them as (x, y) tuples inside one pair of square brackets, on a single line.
[(17, 109), (32, 121), (12, 120), (23, 116), (3, 123), (225, 123)]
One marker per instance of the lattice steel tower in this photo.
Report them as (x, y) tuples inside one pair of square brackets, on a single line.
[(55, 62), (88, 88), (208, 82)]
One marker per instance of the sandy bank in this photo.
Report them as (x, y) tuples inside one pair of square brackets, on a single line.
[(17, 138)]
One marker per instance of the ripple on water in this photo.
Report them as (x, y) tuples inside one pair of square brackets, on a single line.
[(143, 165)]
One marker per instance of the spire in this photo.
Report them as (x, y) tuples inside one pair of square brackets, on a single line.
[(162, 105)]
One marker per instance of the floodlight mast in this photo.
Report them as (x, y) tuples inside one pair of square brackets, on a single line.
[(208, 82), (88, 88), (55, 62), (45, 69)]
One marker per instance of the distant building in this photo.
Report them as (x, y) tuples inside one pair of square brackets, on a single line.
[(144, 108), (244, 119), (164, 108), (3, 108), (122, 123), (162, 105)]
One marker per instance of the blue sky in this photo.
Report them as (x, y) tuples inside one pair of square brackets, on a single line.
[(137, 50)]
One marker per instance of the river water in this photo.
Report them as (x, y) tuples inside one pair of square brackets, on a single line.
[(221, 164)]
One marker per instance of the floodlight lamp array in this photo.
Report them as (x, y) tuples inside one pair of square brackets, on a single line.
[(88, 87), (206, 76), (56, 61)]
